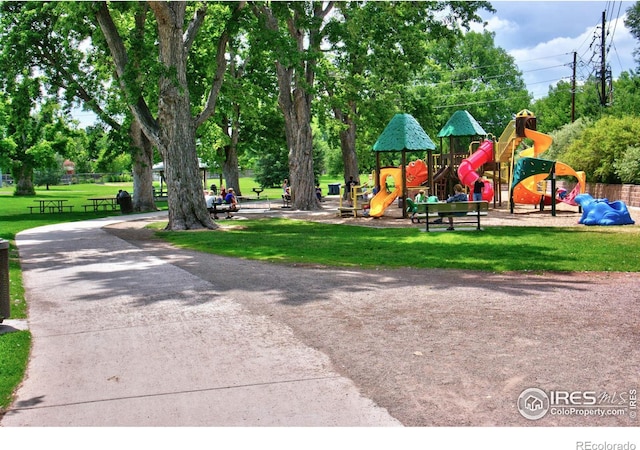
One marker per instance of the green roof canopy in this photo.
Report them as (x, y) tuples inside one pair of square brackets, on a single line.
[(403, 133), (461, 124)]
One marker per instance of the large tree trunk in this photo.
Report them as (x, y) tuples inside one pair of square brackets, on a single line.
[(142, 157), (23, 175), (295, 83), (300, 141), (348, 144), (230, 169), (230, 164), (187, 208), (295, 104)]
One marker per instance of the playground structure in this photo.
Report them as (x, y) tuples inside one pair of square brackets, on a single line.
[(456, 161), (527, 176), (354, 201), (403, 134), (440, 172)]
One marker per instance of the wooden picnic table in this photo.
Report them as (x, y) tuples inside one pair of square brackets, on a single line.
[(105, 203), (50, 205)]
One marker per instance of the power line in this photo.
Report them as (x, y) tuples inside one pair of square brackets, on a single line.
[(482, 102)]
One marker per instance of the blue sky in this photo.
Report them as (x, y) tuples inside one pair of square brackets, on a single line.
[(542, 36)]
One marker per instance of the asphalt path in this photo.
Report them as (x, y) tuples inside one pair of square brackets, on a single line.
[(124, 338)]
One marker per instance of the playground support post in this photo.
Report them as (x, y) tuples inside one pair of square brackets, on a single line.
[(553, 190), (403, 177)]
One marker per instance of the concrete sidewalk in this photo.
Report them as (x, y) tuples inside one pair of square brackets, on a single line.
[(121, 338)]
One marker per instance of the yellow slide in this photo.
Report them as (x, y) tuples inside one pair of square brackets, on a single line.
[(383, 199), (581, 187), (541, 143), (564, 169), (507, 143)]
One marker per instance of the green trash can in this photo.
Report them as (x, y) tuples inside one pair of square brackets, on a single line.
[(125, 202), (334, 188)]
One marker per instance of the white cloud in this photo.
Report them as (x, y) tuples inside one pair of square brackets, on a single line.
[(497, 25), (544, 63), (542, 36)]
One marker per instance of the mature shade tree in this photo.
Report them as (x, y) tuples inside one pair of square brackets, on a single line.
[(554, 110), (173, 131), (293, 30), (52, 38), (141, 78), (376, 49), (33, 136), (626, 94), (253, 94), (471, 74), (632, 22)]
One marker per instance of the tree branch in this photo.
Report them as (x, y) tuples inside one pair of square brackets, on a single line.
[(221, 67), (118, 52), (194, 27)]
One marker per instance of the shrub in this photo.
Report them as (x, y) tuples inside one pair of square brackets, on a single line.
[(628, 167)]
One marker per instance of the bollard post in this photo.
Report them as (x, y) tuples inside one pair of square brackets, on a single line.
[(5, 304)]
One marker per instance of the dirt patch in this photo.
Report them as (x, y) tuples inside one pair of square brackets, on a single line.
[(446, 347)]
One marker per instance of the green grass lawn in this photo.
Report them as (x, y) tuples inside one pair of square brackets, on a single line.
[(14, 353), (497, 249)]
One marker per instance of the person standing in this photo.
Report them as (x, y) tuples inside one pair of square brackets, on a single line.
[(478, 189), (349, 190)]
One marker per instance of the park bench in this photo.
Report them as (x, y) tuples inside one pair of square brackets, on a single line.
[(221, 208), (464, 213)]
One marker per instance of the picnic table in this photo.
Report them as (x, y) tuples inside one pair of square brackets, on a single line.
[(104, 203), (50, 205)]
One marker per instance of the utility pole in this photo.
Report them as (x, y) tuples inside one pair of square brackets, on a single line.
[(573, 89), (603, 65)]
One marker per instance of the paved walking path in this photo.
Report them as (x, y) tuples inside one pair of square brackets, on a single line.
[(122, 338)]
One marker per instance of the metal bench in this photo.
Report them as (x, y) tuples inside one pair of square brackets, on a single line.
[(438, 211)]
